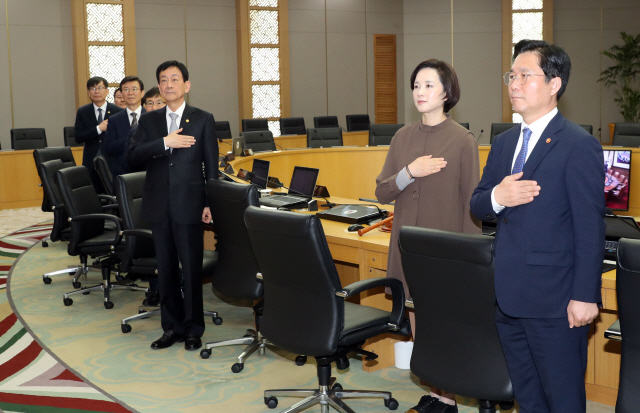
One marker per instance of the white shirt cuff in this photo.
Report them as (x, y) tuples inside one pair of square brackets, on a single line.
[(98, 129), (497, 208), (403, 180)]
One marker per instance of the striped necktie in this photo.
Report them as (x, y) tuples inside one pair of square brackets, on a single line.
[(522, 156)]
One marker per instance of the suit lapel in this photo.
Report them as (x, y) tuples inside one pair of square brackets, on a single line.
[(542, 147), (162, 113), (511, 141), (185, 121)]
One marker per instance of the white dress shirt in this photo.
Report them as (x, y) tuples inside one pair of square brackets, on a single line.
[(104, 114), (537, 128), (178, 119)]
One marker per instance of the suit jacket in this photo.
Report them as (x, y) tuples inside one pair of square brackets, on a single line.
[(86, 132), (548, 251), (175, 179), (114, 143)]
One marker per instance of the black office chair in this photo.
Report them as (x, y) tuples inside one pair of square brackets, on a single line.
[(49, 154), (381, 134), (70, 137), (588, 128), (305, 311), (252, 125), (101, 167), (61, 227), (235, 274), (628, 289), (139, 255), (357, 122), (90, 234), (498, 128), (325, 122), (258, 141), (28, 138), (626, 134), (456, 343), (292, 126), (223, 129), (464, 125), (324, 137)]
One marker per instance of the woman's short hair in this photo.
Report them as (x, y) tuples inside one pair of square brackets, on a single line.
[(447, 77)]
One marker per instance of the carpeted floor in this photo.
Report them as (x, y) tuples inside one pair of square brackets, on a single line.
[(87, 340)]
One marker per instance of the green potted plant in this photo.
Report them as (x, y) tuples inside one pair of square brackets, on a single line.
[(622, 75)]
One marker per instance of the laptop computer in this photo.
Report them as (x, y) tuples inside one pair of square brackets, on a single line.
[(303, 181), (350, 214), (260, 173)]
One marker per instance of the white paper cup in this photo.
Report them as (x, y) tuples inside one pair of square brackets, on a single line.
[(403, 350)]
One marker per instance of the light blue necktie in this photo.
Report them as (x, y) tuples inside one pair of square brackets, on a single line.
[(522, 156), (173, 126)]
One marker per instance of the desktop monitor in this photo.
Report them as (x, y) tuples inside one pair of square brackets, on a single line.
[(260, 173), (617, 167)]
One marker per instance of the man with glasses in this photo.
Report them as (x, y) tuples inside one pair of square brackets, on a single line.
[(91, 124), (114, 144), (153, 100), (543, 182)]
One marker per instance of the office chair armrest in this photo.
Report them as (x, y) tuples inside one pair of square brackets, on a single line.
[(397, 294), (61, 206), (109, 217), (110, 206), (109, 198), (144, 233)]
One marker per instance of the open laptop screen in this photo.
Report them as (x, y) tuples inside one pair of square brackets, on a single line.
[(303, 180), (260, 173)]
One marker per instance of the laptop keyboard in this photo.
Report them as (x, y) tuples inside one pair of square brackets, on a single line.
[(611, 246)]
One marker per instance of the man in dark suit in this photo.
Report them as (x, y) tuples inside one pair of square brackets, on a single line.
[(544, 183), (91, 124), (115, 141), (174, 142)]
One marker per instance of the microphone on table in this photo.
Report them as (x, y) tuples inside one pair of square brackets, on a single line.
[(479, 136), (251, 175)]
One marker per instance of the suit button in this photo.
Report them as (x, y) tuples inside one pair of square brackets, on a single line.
[(488, 215), (505, 220), (170, 164), (416, 195)]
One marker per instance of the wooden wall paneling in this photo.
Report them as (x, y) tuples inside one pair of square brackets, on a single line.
[(385, 78)]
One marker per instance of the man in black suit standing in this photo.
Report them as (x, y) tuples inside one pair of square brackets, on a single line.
[(174, 142), (91, 124)]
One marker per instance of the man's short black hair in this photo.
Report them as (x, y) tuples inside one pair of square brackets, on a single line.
[(132, 79), (94, 81), (151, 93), (119, 89), (172, 63), (447, 77), (554, 61)]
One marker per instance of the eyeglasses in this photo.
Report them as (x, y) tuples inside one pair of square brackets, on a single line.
[(150, 103), (522, 77), (101, 88), (133, 89)]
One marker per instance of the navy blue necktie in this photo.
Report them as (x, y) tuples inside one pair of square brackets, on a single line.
[(522, 156)]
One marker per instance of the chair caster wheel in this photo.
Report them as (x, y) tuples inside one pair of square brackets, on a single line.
[(237, 367), (126, 328), (217, 320), (391, 404), (271, 402), (337, 386), (72, 273), (76, 284), (46, 280), (67, 301), (204, 353), (142, 311), (45, 244), (86, 293), (119, 278), (300, 360), (506, 405), (108, 305)]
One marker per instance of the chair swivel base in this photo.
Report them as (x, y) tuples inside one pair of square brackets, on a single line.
[(106, 288), (252, 339), (143, 313), (327, 396)]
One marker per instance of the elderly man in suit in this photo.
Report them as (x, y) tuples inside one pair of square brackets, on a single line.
[(543, 181), (175, 142), (115, 142), (91, 123)]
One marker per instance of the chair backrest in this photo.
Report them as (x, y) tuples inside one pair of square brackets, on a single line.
[(28, 138), (235, 272), (464, 355), (258, 141), (70, 136), (358, 122), (101, 167), (223, 129), (626, 134), (588, 128), (80, 198), (48, 154), (381, 134), (47, 171), (250, 125), (292, 126), (324, 137), (464, 125), (628, 289), (498, 128), (302, 314), (325, 122)]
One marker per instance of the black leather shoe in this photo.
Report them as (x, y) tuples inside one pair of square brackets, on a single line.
[(440, 407), (168, 339), (423, 405), (153, 300), (192, 343)]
